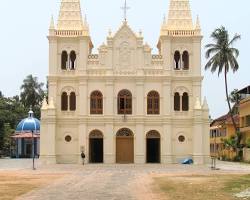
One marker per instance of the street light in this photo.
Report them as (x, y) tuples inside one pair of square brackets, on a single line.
[(33, 151)]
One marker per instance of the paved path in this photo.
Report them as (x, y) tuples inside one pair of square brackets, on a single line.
[(113, 182)]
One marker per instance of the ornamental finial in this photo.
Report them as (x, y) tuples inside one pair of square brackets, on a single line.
[(31, 113)]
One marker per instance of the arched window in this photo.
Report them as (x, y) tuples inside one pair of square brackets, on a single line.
[(177, 102), (185, 102), (153, 103), (153, 134), (124, 102), (96, 103), (96, 134), (64, 60), (72, 60), (177, 59), (64, 101), (124, 132), (185, 60), (72, 98)]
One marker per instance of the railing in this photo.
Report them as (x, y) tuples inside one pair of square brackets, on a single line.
[(156, 56), (69, 33), (157, 60), (93, 56), (183, 32), (93, 59)]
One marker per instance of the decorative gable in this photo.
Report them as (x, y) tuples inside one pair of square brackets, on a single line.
[(125, 43)]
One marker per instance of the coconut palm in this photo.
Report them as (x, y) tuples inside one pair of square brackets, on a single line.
[(223, 58), (32, 94), (31, 91)]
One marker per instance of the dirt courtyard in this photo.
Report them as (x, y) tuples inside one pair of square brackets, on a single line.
[(128, 182), (16, 183)]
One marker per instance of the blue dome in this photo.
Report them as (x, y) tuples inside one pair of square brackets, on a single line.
[(29, 124)]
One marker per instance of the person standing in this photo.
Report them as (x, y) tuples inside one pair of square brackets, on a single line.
[(83, 157)]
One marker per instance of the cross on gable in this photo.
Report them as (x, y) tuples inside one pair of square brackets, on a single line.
[(125, 8)]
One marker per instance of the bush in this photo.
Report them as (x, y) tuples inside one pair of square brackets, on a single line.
[(237, 159), (248, 143)]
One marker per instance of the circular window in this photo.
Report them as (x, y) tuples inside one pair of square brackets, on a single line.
[(181, 138), (68, 138)]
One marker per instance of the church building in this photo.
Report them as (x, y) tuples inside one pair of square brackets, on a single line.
[(125, 104)]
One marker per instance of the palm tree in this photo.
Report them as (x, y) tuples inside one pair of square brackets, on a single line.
[(223, 57), (32, 93)]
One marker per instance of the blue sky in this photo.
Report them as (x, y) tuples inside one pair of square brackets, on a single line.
[(24, 46)]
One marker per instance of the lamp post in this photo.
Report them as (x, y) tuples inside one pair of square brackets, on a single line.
[(33, 151)]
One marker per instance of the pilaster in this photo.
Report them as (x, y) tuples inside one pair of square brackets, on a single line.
[(109, 144), (166, 145), (109, 99), (140, 98), (140, 141)]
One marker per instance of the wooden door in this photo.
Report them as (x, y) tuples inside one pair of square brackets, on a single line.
[(125, 150)]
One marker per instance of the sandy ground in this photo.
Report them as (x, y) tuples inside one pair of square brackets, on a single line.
[(16, 183), (94, 182)]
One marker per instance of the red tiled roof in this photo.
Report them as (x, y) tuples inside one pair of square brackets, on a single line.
[(226, 119), (25, 135)]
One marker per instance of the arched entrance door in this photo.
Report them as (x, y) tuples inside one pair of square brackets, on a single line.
[(96, 147), (125, 146), (153, 147)]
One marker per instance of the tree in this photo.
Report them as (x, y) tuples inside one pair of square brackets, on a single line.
[(223, 57), (11, 113), (234, 97), (32, 94), (8, 131)]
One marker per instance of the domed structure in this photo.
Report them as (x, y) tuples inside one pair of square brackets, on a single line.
[(27, 134), (29, 124)]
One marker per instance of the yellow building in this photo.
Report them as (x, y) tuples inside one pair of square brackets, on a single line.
[(221, 129), (245, 113), (245, 119)]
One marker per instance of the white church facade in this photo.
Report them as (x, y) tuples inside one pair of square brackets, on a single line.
[(124, 104)]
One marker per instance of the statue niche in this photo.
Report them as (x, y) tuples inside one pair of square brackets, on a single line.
[(124, 55)]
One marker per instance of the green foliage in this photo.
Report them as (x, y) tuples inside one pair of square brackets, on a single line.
[(32, 94), (8, 131), (234, 97), (14, 109), (248, 143), (230, 143), (11, 112), (223, 58)]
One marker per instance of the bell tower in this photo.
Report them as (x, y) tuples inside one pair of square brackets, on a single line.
[(180, 39), (69, 43), (69, 47)]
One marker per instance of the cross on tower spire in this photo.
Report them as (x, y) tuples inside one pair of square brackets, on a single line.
[(125, 8)]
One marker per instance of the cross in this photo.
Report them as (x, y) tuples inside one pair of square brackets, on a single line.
[(125, 8)]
